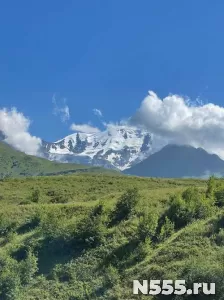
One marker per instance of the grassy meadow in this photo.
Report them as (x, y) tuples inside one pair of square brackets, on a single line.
[(87, 236)]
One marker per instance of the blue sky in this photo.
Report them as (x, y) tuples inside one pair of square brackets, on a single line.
[(106, 55)]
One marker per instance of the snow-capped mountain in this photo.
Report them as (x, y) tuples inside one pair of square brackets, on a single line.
[(118, 147)]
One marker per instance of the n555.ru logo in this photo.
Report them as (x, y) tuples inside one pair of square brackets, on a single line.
[(169, 287)]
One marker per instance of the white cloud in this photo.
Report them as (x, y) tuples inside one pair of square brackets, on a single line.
[(61, 109), (85, 128), (97, 112), (15, 126), (175, 119)]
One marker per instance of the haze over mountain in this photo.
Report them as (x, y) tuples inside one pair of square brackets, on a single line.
[(179, 161)]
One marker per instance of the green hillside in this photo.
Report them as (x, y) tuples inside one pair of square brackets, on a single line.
[(14, 163), (87, 236)]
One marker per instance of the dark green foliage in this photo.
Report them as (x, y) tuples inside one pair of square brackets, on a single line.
[(28, 268), (219, 239), (52, 225), (215, 190), (35, 196), (59, 198), (189, 206), (202, 272), (125, 206), (90, 231), (98, 210), (69, 251), (14, 275), (219, 197), (6, 225), (166, 230), (211, 185), (148, 224)]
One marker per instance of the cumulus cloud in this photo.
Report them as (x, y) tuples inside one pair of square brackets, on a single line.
[(61, 109), (175, 119), (84, 128), (15, 128), (97, 112)]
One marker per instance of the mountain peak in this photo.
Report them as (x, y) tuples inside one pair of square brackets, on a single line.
[(119, 147), (179, 161)]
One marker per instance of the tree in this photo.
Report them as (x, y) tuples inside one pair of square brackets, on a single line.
[(147, 226), (167, 229), (210, 187), (35, 196), (125, 206), (189, 206), (29, 268), (90, 231)]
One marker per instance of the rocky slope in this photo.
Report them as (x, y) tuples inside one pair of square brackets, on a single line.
[(119, 147)]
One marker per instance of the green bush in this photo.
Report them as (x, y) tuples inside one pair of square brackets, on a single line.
[(28, 268), (148, 224), (219, 198), (112, 276), (35, 196), (52, 225), (166, 230), (215, 191), (204, 272), (220, 238), (10, 281), (59, 198), (211, 186), (6, 225), (90, 231), (189, 206), (125, 206)]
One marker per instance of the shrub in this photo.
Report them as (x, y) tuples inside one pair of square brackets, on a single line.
[(35, 197), (52, 225), (142, 250), (166, 230), (6, 225), (57, 197), (220, 238), (219, 198), (211, 185), (189, 206), (125, 206), (90, 231), (112, 276), (29, 268), (51, 193), (97, 210), (147, 226), (215, 191), (204, 272), (10, 283)]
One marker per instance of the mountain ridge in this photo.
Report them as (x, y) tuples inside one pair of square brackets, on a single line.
[(179, 161), (118, 147)]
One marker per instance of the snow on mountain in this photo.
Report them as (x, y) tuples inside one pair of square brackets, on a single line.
[(117, 147)]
